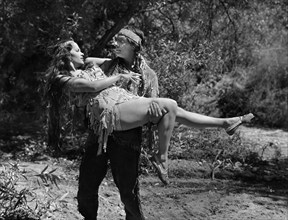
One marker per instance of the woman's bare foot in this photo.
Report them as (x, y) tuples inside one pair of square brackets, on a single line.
[(234, 123)]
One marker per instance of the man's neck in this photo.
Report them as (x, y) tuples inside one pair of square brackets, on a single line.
[(127, 63), (130, 61)]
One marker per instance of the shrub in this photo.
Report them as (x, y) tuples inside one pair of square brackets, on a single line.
[(268, 88), (13, 201), (19, 202), (211, 149)]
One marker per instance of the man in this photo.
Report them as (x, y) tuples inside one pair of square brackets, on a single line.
[(123, 148)]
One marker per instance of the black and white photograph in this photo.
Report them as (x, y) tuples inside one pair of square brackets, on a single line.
[(143, 110)]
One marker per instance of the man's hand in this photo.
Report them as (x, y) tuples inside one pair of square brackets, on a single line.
[(134, 77), (155, 112)]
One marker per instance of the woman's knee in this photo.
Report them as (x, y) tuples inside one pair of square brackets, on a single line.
[(174, 104), (171, 105)]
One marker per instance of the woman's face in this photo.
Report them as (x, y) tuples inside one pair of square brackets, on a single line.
[(123, 48), (77, 57)]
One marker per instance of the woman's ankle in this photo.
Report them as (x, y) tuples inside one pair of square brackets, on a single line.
[(230, 121), (162, 158)]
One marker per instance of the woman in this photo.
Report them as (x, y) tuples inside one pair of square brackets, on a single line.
[(111, 107)]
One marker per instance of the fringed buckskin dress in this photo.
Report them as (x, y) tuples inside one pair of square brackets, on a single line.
[(102, 109)]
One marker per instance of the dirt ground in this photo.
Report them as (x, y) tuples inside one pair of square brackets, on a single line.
[(184, 198)]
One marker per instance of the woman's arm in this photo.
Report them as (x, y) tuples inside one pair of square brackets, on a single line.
[(76, 84), (96, 60)]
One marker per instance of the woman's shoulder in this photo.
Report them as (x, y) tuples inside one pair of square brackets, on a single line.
[(72, 74), (62, 77)]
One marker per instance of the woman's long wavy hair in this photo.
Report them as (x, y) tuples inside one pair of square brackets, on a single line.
[(59, 65)]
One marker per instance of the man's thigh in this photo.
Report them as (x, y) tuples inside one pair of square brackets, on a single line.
[(124, 165)]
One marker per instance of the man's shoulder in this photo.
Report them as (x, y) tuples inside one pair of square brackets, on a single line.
[(147, 70), (150, 75)]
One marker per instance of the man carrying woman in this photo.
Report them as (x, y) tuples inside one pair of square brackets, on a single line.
[(122, 147)]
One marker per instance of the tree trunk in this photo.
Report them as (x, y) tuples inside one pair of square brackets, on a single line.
[(131, 11)]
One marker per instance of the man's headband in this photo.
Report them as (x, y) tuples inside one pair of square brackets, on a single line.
[(131, 35)]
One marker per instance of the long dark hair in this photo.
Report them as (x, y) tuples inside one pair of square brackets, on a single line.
[(59, 66), (138, 62)]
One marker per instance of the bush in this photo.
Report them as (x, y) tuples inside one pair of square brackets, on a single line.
[(13, 201), (233, 102), (18, 202), (211, 150), (268, 88)]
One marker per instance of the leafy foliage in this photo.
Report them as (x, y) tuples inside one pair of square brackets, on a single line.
[(18, 202), (211, 154), (221, 47), (13, 202), (220, 58)]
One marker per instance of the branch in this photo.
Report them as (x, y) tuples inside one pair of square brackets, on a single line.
[(170, 20), (113, 31), (230, 19), (131, 11), (227, 13), (160, 6)]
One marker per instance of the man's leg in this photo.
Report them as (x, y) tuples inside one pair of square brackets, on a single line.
[(124, 161), (93, 169)]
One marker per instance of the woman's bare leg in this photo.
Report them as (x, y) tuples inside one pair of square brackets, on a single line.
[(134, 114), (195, 120), (165, 128)]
